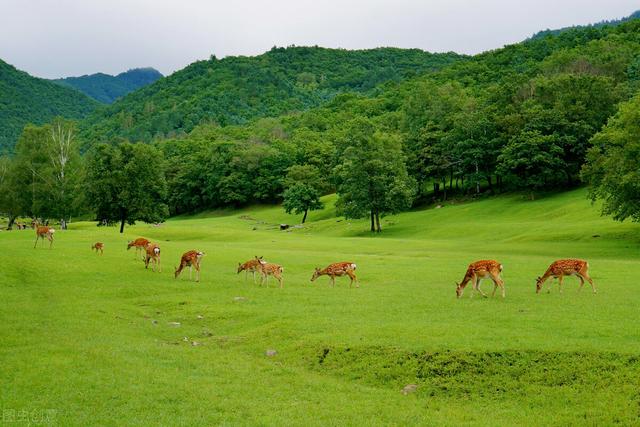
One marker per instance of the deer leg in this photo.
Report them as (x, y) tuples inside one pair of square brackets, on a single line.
[(280, 280), (586, 276), (50, 241), (36, 245), (560, 282), (190, 273), (581, 281), (478, 282)]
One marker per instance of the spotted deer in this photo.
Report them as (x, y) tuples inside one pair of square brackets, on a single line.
[(152, 254), (479, 270), (140, 244), (250, 266), (190, 259), (566, 267), (337, 269), (43, 232), (267, 269), (98, 247)]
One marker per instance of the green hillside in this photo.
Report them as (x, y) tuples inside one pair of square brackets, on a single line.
[(26, 99), (176, 352), (107, 88), (235, 90)]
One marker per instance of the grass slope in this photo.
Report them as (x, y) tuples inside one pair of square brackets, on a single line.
[(92, 337)]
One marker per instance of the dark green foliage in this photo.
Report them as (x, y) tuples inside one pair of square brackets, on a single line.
[(372, 179), (304, 188), (613, 162), (26, 99), (235, 90), (126, 183), (107, 88)]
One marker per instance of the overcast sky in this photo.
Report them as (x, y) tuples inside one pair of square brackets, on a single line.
[(59, 38)]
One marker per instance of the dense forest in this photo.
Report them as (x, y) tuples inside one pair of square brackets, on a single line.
[(386, 129), (235, 90), (26, 99), (106, 88)]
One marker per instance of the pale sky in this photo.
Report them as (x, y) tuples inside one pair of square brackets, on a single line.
[(60, 38)]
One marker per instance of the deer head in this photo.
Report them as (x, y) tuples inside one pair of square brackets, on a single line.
[(539, 283), (316, 274), (459, 290)]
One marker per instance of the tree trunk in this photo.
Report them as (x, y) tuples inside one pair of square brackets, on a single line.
[(451, 180), (477, 180), (489, 182), (304, 218), (373, 227), (378, 228), (12, 219), (123, 217), (444, 188), (436, 189)]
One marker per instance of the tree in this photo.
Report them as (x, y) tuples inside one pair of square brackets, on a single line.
[(9, 190), (612, 164), (304, 188), (532, 161), (126, 183), (372, 179)]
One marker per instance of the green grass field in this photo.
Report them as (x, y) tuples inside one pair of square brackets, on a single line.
[(93, 340)]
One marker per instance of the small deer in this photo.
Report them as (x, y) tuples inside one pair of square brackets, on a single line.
[(267, 269), (43, 232), (190, 259), (479, 270), (250, 266), (98, 246), (153, 254), (140, 244), (566, 267), (337, 269)]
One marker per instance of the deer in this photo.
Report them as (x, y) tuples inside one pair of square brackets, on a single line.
[(190, 259), (153, 254), (43, 232), (337, 269), (98, 246), (267, 269), (479, 270), (566, 267), (140, 244), (250, 266)]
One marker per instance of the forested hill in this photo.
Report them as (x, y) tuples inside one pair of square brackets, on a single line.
[(634, 15), (237, 89), (27, 99), (107, 88)]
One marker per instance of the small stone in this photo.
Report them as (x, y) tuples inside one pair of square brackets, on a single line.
[(409, 388), (439, 207), (154, 321), (271, 353), (200, 316), (195, 343), (239, 299), (176, 324), (185, 339)]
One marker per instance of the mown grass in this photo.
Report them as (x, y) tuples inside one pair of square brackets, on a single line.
[(93, 337)]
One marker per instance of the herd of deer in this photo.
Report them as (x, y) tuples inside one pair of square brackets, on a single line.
[(476, 272)]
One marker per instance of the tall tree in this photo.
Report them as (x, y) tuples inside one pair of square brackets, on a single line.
[(612, 164), (372, 179), (304, 188), (126, 183)]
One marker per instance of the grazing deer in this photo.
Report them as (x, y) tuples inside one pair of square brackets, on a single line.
[(267, 269), (153, 254), (250, 266), (43, 232), (566, 267), (479, 270), (336, 270), (98, 246), (140, 244), (190, 259)]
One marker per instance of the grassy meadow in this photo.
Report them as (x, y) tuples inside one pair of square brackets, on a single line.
[(99, 340)]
